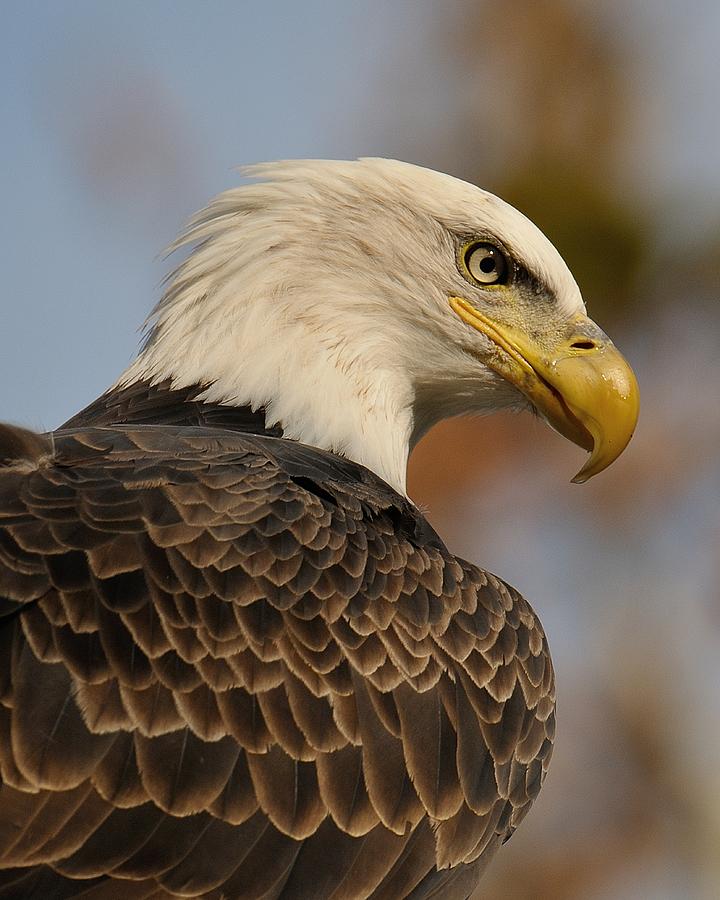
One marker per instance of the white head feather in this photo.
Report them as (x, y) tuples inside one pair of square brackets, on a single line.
[(321, 294)]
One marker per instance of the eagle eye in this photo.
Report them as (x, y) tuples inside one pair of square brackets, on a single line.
[(486, 264)]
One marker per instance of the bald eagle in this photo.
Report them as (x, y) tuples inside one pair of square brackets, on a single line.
[(235, 659)]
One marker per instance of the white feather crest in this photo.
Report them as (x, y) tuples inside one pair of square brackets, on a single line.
[(321, 294)]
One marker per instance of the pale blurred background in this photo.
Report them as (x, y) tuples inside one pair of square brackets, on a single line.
[(597, 118)]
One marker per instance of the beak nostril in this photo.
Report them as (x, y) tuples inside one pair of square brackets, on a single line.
[(583, 345)]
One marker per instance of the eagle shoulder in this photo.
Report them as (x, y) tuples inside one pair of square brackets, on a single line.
[(230, 660)]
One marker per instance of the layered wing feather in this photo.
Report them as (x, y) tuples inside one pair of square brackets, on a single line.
[(232, 666)]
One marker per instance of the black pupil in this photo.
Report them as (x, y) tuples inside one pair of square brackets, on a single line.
[(488, 265)]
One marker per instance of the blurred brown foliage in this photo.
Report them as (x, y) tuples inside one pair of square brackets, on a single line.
[(547, 119), (561, 116)]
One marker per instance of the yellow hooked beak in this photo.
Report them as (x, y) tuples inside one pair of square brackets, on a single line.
[(582, 384)]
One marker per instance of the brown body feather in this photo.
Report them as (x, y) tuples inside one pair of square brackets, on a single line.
[(233, 666)]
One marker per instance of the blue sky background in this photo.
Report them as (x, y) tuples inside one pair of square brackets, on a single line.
[(120, 119)]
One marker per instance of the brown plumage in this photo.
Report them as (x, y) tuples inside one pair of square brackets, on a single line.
[(235, 666)]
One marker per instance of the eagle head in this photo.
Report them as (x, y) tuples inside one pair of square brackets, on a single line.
[(358, 303)]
